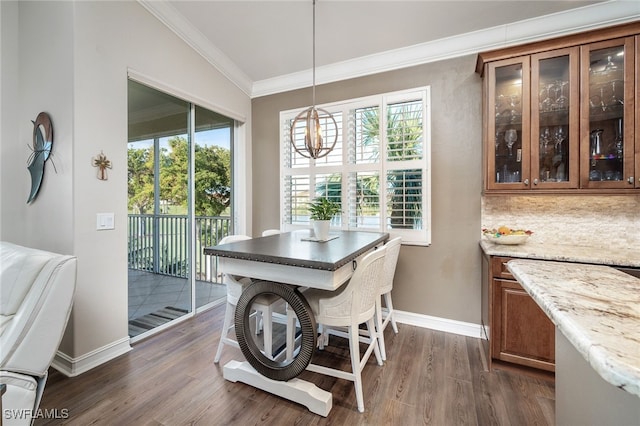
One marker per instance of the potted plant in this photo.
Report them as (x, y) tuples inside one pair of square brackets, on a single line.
[(322, 211)]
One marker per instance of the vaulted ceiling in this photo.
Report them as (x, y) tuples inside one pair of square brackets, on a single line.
[(266, 46)]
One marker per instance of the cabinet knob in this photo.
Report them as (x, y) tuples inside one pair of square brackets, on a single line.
[(526, 182), (535, 181), (631, 179)]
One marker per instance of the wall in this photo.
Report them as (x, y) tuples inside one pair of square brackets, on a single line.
[(441, 280), (73, 59), (37, 76), (8, 114)]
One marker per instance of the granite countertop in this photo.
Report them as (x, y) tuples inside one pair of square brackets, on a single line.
[(596, 307), (614, 256)]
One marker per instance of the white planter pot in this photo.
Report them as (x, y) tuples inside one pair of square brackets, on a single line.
[(321, 229)]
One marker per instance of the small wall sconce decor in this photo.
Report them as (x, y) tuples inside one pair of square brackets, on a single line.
[(40, 153), (102, 163)]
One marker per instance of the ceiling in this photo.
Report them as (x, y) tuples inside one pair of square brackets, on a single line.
[(259, 42)]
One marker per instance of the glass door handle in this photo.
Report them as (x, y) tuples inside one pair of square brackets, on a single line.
[(526, 182), (631, 179), (535, 181)]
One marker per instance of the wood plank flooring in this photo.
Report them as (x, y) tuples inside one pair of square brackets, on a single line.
[(430, 378)]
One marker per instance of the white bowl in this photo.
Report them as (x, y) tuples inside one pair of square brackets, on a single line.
[(507, 239)]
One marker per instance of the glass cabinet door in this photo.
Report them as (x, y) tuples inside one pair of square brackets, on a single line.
[(554, 119), (637, 110), (607, 146), (508, 131)]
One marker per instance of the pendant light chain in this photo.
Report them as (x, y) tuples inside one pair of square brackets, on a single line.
[(314, 143), (313, 63)]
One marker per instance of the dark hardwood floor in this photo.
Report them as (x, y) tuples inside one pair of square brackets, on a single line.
[(430, 377)]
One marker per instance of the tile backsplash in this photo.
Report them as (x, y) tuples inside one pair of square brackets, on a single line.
[(584, 220)]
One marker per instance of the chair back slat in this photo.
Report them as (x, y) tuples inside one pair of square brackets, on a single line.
[(366, 281), (390, 262)]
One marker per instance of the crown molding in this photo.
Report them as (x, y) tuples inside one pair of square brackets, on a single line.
[(568, 22), (545, 27), (173, 20)]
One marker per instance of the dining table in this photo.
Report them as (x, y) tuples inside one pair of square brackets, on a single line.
[(284, 264)]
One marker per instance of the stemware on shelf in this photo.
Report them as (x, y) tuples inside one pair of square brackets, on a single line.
[(552, 96), (559, 137), (614, 100), (562, 102), (546, 94), (618, 139), (510, 137)]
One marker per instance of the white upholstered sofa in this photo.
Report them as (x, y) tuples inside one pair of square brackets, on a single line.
[(36, 295)]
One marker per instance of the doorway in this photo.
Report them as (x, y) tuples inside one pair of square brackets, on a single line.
[(179, 201)]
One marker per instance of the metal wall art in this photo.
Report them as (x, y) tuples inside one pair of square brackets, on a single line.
[(102, 163), (41, 152)]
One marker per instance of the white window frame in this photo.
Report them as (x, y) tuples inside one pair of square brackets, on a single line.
[(420, 237)]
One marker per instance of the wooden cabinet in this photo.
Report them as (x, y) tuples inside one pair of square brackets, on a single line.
[(637, 117), (560, 115), (519, 331)]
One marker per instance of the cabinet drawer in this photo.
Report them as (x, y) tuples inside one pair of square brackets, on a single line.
[(499, 267)]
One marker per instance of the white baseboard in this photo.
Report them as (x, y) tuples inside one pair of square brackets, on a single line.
[(72, 367), (440, 324)]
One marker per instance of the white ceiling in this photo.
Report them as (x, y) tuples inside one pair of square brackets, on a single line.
[(266, 46)]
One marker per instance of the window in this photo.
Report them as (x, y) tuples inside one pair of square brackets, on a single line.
[(379, 170)]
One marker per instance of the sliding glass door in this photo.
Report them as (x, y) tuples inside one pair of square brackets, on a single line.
[(179, 198)]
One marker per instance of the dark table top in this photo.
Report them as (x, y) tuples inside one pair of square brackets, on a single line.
[(289, 249)]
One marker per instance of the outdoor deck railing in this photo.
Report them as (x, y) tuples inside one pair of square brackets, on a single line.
[(159, 244)]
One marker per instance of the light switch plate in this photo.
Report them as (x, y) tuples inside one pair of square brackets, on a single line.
[(105, 221)]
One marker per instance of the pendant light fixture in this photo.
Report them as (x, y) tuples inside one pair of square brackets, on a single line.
[(318, 123)]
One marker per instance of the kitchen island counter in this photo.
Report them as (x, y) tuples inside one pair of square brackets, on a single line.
[(596, 309)]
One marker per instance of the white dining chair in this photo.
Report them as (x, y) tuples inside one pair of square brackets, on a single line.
[(268, 232), (384, 317), (263, 306), (351, 305)]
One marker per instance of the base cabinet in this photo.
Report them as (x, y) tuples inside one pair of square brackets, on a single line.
[(521, 333)]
